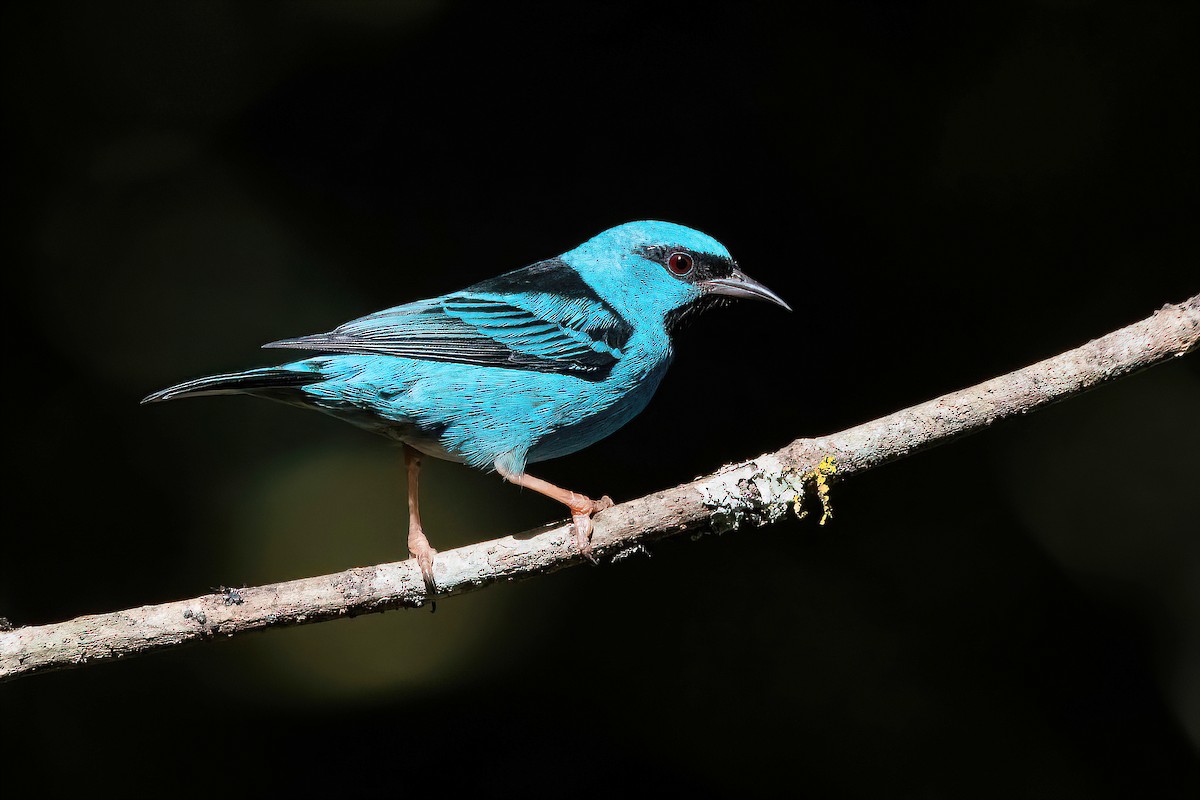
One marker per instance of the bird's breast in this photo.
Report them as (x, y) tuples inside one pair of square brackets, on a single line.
[(600, 409)]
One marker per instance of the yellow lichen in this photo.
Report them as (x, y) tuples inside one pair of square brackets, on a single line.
[(820, 476)]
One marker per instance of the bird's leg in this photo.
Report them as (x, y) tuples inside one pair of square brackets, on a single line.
[(582, 507), (418, 545)]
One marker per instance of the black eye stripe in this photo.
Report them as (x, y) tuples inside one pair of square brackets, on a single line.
[(704, 265)]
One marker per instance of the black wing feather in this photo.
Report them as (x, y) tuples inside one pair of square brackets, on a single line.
[(544, 318)]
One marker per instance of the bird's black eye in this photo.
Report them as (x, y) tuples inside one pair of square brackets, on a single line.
[(680, 264)]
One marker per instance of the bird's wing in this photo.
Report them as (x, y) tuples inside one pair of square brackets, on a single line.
[(543, 318)]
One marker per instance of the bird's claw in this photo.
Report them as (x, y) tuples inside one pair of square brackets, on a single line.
[(581, 527), (581, 530), (425, 562)]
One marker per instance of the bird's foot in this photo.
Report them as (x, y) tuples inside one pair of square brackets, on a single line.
[(581, 523), (424, 556)]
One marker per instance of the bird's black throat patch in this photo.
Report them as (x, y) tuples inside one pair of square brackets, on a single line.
[(679, 318)]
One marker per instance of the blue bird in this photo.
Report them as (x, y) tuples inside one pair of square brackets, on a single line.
[(531, 365)]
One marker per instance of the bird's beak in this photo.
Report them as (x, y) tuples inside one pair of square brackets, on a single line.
[(739, 284)]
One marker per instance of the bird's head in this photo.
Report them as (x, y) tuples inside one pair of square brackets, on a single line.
[(653, 268)]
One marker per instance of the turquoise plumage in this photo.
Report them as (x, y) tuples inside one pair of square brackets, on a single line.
[(533, 364)]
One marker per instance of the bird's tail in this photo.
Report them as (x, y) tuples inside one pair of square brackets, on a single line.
[(268, 381)]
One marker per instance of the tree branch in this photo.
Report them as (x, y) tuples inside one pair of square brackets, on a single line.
[(753, 492)]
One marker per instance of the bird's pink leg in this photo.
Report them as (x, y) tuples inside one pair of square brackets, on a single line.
[(418, 545), (582, 507)]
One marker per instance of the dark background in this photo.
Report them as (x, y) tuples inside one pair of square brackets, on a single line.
[(944, 192)]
